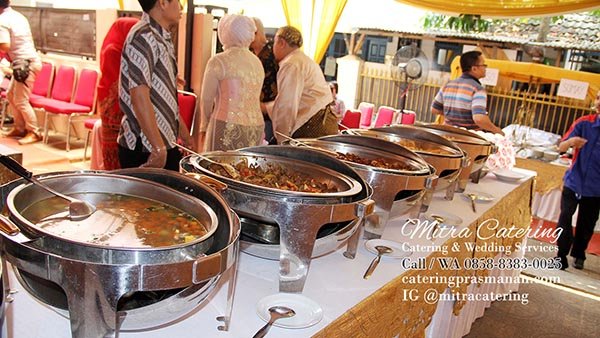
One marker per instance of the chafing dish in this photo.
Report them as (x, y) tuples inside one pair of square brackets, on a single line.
[(445, 156), (298, 215), (105, 289), (476, 147), (403, 187)]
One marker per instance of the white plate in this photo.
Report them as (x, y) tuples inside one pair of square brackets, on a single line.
[(308, 312), (397, 250), (481, 196), (508, 175), (449, 220)]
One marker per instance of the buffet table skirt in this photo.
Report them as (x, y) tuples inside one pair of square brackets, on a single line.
[(350, 303), (547, 206), (445, 324)]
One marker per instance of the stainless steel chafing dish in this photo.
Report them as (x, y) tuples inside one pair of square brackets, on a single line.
[(299, 216), (403, 187), (477, 148), (445, 156), (106, 289)]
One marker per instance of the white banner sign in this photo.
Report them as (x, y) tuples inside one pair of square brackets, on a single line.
[(491, 77), (573, 89)]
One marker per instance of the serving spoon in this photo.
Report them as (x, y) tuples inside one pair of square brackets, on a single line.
[(327, 151), (78, 209), (277, 312), (229, 169), (473, 198), (381, 250)]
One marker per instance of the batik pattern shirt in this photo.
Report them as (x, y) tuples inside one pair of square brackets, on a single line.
[(269, 87), (149, 60)]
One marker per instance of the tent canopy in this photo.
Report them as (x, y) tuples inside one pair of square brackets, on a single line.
[(505, 8), (526, 71)]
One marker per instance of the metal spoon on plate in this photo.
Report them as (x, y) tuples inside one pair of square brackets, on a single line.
[(276, 312), (381, 250), (229, 169), (473, 198), (78, 209)]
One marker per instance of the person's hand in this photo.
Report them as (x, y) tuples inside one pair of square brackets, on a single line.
[(577, 142), (157, 158), (180, 82), (186, 140)]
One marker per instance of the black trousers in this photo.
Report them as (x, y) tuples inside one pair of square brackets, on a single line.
[(589, 207), (135, 158)]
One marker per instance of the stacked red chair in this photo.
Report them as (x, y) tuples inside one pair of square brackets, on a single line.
[(79, 108)]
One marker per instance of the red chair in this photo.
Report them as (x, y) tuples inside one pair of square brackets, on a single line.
[(89, 126), (41, 86), (82, 106), (4, 103), (43, 81), (62, 88), (366, 110), (350, 120), (408, 117), (187, 107), (385, 116)]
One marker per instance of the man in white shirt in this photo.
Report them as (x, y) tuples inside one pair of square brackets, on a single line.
[(16, 40), (302, 107)]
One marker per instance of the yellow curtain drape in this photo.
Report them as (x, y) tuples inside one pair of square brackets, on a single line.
[(121, 5), (505, 8), (332, 10), (293, 13), (316, 34)]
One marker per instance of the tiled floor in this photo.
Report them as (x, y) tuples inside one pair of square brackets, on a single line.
[(43, 158)]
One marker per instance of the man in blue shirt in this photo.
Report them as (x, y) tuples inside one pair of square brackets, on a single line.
[(581, 187)]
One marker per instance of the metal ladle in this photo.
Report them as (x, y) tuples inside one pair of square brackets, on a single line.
[(327, 151), (381, 250), (78, 209), (229, 169), (277, 312)]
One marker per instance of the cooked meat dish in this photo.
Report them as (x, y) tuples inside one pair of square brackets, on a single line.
[(376, 162), (276, 176)]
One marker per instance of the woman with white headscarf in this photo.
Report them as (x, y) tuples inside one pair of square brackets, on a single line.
[(230, 101)]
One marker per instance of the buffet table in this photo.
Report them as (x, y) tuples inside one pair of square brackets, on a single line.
[(548, 187), (352, 306)]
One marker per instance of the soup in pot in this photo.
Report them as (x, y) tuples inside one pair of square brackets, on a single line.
[(119, 221)]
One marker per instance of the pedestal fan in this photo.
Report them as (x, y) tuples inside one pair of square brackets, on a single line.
[(409, 71)]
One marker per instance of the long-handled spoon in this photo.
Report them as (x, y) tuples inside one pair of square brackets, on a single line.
[(276, 312), (78, 209), (229, 169), (381, 250), (327, 151)]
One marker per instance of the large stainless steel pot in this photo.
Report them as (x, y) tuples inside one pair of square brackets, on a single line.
[(445, 156), (403, 188), (104, 289), (477, 148), (299, 216)]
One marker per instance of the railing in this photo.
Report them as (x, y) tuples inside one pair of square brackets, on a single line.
[(380, 86)]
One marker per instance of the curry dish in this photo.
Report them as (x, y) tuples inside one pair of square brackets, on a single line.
[(119, 221), (277, 177)]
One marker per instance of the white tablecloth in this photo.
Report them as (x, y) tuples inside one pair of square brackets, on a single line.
[(335, 282)]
